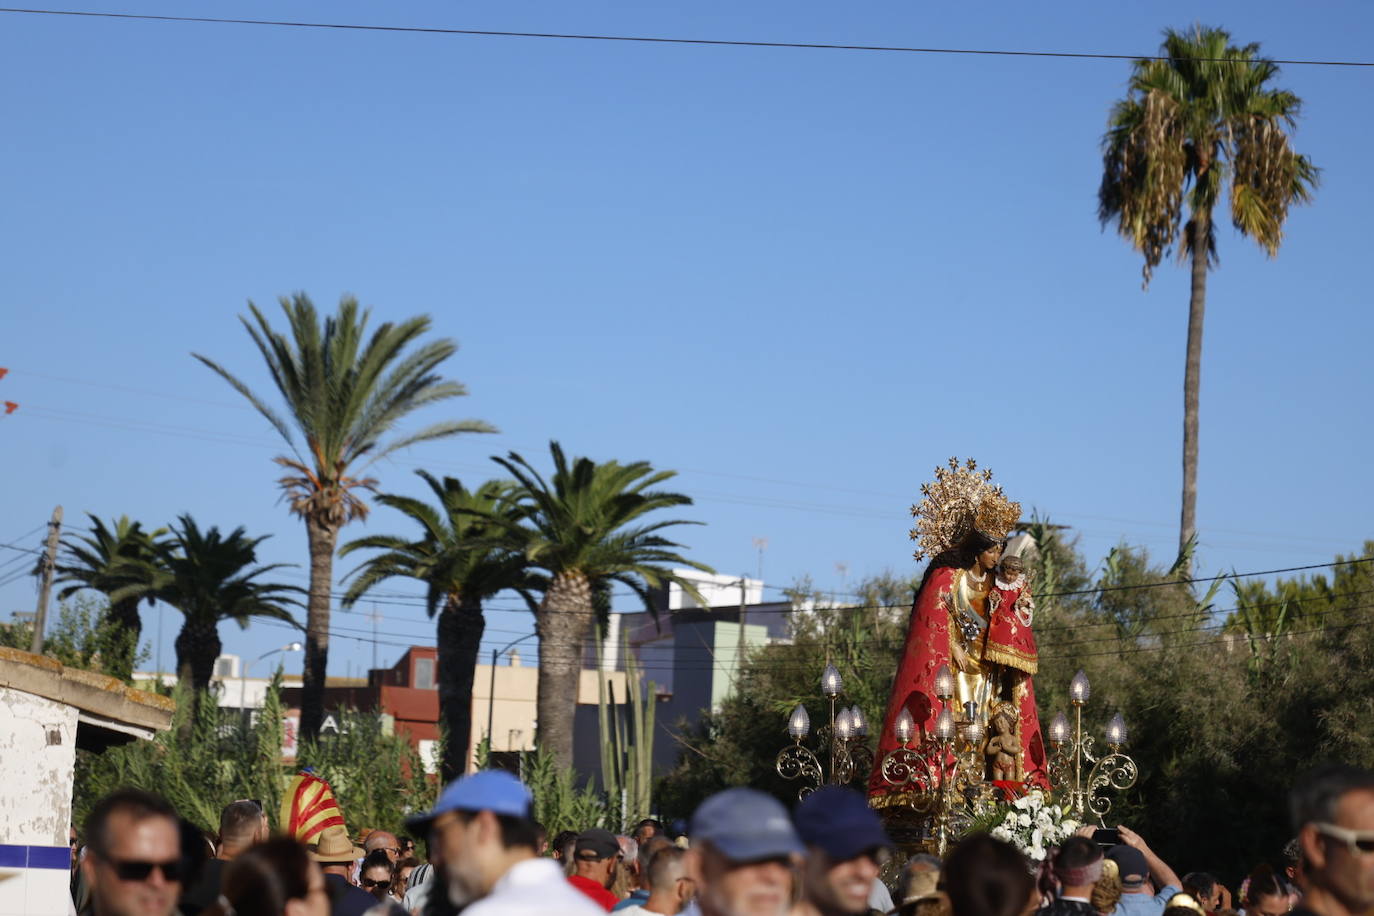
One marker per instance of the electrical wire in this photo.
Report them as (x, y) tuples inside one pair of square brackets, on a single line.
[(752, 478), (1215, 629), (651, 667), (711, 42), (219, 437), (15, 577)]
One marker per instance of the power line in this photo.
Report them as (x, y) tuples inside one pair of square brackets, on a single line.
[(646, 39), (1230, 575), (781, 666), (898, 497), (67, 415)]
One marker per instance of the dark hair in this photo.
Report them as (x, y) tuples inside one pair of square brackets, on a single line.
[(136, 803), (1263, 883), (987, 877), (1318, 791), (561, 841), (261, 880), (239, 820), (1077, 852), (1199, 884), (961, 555), (541, 833), (515, 831), (649, 822), (375, 858)]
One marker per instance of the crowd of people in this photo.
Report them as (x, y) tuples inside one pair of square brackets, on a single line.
[(742, 854)]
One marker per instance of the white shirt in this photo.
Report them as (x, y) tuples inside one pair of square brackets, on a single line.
[(536, 887), (879, 897)]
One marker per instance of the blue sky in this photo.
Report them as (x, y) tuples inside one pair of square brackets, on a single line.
[(801, 278)]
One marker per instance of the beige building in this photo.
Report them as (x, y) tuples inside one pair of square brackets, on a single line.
[(512, 714)]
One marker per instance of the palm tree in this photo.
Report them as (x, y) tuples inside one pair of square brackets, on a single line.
[(462, 561), (212, 577), (584, 527), (344, 392), (121, 562), (1202, 113)]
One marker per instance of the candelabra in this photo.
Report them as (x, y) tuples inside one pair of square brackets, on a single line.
[(1113, 771), (933, 775), (844, 745)]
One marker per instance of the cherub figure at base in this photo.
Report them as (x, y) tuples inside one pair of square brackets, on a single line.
[(1003, 745)]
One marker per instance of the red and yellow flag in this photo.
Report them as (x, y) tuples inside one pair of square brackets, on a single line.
[(308, 807)]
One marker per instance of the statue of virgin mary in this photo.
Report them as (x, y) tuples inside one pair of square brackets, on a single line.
[(962, 524)]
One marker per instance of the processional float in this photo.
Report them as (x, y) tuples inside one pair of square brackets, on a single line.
[(961, 734)]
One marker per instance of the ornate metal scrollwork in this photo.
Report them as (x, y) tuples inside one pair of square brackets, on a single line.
[(796, 761)]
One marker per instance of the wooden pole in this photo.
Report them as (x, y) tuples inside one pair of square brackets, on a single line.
[(47, 570)]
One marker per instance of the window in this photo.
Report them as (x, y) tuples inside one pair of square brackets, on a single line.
[(225, 665), (429, 756), (424, 673)]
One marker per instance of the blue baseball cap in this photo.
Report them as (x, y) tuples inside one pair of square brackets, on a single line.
[(486, 790), (839, 822), (745, 826)]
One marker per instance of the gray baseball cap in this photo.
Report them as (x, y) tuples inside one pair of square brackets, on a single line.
[(745, 826)]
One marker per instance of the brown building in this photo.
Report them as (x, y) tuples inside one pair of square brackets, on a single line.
[(407, 693)]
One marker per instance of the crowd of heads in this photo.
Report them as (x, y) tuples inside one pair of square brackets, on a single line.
[(741, 854)]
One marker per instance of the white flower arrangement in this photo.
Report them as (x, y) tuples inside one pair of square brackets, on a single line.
[(1033, 826)]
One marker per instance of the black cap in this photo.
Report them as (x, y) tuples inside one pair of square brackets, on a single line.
[(596, 844)]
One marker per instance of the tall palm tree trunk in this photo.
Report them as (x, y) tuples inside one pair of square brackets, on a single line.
[(322, 537), (126, 628), (565, 619), (460, 629), (197, 647), (1192, 378)]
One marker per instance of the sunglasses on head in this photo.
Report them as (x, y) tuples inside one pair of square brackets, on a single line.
[(141, 871), (1355, 840)]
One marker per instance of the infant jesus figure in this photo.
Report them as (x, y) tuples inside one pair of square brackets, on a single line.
[(1011, 644)]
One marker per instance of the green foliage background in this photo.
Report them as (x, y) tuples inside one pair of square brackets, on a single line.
[(377, 777), (1230, 689)]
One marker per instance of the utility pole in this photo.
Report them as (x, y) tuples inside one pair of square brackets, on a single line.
[(743, 609), (47, 568)]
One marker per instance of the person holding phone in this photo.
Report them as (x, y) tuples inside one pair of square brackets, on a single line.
[(1139, 865)]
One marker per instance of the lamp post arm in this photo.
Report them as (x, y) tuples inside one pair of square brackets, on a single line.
[(491, 684)]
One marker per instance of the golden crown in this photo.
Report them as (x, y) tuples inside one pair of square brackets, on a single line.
[(960, 500)]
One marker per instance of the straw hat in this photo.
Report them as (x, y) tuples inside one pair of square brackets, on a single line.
[(335, 846)]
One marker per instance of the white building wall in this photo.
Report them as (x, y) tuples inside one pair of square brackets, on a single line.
[(37, 757), (719, 591)]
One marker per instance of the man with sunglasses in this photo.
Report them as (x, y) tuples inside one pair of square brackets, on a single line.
[(1333, 811), (133, 861), (846, 848), (386, 842)]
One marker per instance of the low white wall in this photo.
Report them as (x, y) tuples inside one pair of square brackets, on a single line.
[(37, 755)]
